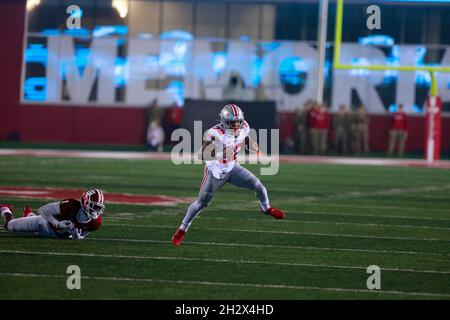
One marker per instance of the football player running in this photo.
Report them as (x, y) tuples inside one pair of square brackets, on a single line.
[(223, 142), (67, 219)]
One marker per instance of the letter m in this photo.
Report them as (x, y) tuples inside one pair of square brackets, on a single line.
[(80, 69)]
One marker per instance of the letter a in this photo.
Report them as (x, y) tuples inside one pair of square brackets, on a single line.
[(374, 281), (74, 20), (374, 20), (74, 280)]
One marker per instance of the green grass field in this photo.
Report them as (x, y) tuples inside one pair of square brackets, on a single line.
[(340, 220)]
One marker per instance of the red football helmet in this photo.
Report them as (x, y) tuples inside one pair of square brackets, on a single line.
[(93, 203)]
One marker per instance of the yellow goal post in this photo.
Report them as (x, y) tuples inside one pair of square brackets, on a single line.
[(337, 55)]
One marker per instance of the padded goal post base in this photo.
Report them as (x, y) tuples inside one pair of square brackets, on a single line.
[(433, 116)]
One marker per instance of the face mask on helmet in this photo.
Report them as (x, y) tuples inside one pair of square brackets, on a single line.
[(93, 209), (92, 203), (234, 124)]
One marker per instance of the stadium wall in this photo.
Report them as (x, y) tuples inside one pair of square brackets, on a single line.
[(113, 125)]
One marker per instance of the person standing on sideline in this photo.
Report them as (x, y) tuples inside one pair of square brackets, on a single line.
[(300, 126), (320, 123), (341, 125), (361, 131), (155, 137), (399, 132)]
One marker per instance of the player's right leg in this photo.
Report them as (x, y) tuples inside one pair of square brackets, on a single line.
[(30, 223), (391, 143), (208, 188), (243, 178)]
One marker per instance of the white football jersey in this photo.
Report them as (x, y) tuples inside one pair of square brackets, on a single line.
[(227, 147)]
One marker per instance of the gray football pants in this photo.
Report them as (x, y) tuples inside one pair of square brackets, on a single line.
[(32, 224), (238, 176)]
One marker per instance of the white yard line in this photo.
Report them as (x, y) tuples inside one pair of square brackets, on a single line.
[(230, 284), (369, 215), (140, 217), (286, 232), (384, 192), (292, 264), (234, 244), (301, 211), (360, 206)]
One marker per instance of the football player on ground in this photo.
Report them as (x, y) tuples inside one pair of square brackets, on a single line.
[(67, 219), (221, 167)]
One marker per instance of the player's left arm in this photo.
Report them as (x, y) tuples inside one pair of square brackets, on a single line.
[(251, 145)]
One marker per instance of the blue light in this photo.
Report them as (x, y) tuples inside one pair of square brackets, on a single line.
[(81, 56), (77, 32), (120, 69), (392, 60), (381, 40), (393, 108), (35, 89), (51, 32), (36, 53), (219, 62), (417, 108), (176, 35), (328, 68), (291, 70), (420, 54), (175, 88), (423, 78), (269, 46), (257, 73), (101, 31), (245, 38)]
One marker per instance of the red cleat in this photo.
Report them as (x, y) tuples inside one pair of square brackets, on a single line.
[(178, 237), (276, 213), (27, 211)]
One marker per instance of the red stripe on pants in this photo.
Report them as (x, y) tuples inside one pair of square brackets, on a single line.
[(205, 173)]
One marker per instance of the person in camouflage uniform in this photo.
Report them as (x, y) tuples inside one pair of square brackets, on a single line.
[(300, 127), (341, 125), (360, 129), (319, 123)]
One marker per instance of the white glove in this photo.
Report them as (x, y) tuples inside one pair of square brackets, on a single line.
[(64, 225), (77, 234)]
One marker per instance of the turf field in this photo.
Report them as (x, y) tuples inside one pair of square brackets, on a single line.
[(340, 220)]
